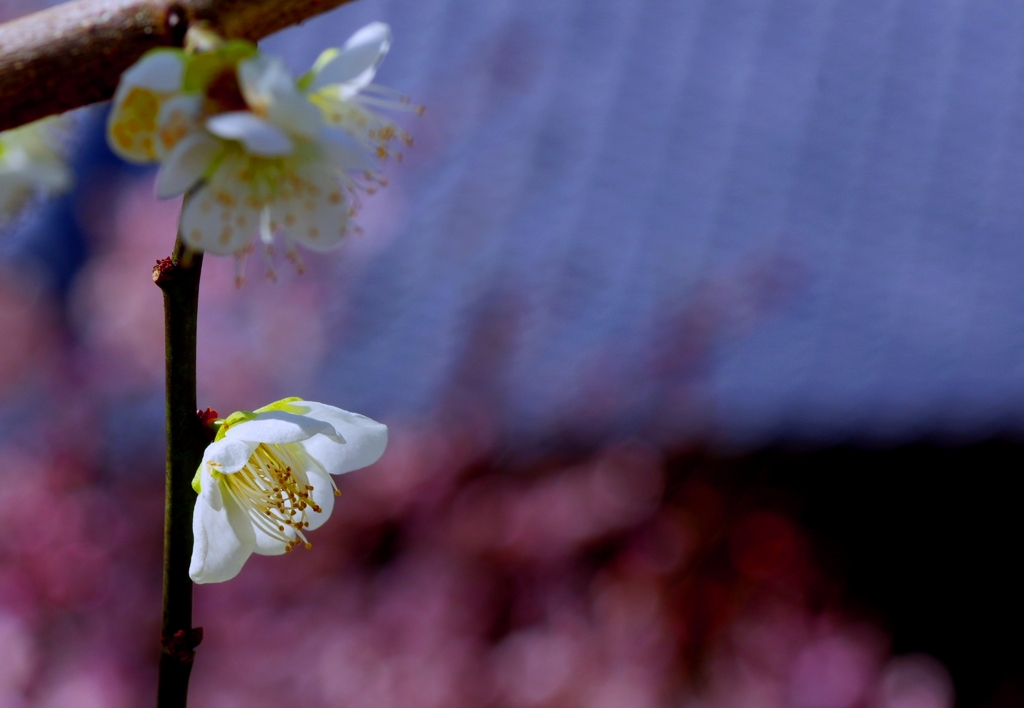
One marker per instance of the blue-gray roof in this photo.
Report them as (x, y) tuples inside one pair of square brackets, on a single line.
[(735, 219)]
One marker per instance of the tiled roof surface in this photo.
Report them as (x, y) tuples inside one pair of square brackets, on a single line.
[(735, 219)]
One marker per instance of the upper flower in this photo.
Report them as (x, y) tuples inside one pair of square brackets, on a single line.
[(266, 481), (31, 163), (265, 153)]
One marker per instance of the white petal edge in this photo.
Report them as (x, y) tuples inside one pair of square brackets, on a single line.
[(277, 428), (224, 537), (186, 164), (355, 64), (160, 71), (295, 112), (365, 438), (228, 455), (322, 495), (260, 137)]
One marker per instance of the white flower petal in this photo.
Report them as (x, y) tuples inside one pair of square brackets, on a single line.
[(297, 115), (354, 66), (267, 545), (322, 495), (277, 428), (179, 116), (186, 164), (315, 212), (259, 136), (224, 536), (132, 124), (160, 71), (228, 455), (222, 216), (263, 78), (365, 438)]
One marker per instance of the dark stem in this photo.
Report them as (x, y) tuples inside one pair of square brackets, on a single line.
[(178, 278)]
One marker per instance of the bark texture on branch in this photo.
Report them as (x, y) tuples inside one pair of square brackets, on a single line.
[(178, 278), (73, 54)]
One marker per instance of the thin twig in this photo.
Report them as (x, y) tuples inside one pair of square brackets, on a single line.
[(73, 54), (178, 278)]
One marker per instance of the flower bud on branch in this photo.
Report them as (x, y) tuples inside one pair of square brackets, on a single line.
[(73, 54)]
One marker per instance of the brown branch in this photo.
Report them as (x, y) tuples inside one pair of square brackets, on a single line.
[(178, 278), (73, 54)]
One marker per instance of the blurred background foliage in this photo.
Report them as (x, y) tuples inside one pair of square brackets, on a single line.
[(697, 326)]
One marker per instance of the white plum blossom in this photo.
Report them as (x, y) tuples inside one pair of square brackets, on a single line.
[(265, 482), (261, 152), (32, 163), (132, 129)]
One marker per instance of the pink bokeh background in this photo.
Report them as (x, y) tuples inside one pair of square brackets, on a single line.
[(450, 575)]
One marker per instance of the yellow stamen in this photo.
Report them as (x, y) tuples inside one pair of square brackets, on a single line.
[(274, 489)]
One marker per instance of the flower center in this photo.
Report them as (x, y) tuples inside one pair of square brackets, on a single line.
[(275, 491), (224, 94)]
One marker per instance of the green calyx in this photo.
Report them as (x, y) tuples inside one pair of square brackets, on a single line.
[(285, 404), (305, 81), (204, 67), (325, 58), (233, 419)]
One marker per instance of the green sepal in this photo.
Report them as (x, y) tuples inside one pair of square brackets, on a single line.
[(233, 419), (325, 58), (303, 83), (197, 481), (203, 68), (285, 404)]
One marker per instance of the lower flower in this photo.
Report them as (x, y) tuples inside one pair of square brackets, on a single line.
[(265, 481)]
